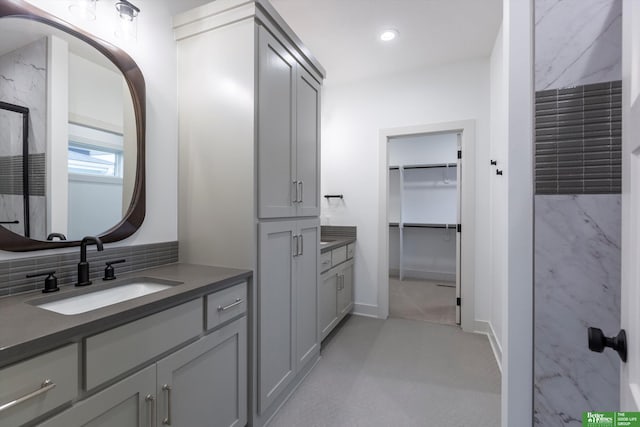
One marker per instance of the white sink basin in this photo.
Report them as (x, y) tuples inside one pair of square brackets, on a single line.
[(102, 298)]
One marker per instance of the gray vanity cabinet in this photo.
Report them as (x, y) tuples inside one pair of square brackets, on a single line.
[(287, 303), (336, 291), (288, 134), (205, 383), (128, 403)]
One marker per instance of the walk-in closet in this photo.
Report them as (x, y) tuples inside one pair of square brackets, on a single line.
[(424, 243)]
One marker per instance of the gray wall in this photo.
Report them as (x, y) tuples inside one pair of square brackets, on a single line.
[(577, 206)]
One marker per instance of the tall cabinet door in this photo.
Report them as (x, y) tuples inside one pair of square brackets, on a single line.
[(307, 277), (205, 383), (308, 143), (128, 403), (278, 245), (277, 186)]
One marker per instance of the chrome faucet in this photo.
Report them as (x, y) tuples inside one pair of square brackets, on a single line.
[(83, 265)]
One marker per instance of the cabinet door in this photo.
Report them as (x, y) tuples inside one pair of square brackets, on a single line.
[(207, 381), (306, 286), (128, 403), (276, 321), (277, 186), (308, 143), (328, 303), (347, 290)]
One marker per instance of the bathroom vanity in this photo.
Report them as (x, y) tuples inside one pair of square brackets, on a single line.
[(173, 357), (335, 299)]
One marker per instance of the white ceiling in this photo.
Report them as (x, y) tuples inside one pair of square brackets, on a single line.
[(343, 34)]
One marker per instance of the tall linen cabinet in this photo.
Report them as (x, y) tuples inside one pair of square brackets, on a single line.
[(249, 187)]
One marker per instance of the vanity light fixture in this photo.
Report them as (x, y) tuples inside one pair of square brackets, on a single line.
[(127, 26), (388, 35), (83, 9)]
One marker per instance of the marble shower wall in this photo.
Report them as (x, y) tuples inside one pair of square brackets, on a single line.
[(577, 237), (578, 42), (23, 76), (577, 285)]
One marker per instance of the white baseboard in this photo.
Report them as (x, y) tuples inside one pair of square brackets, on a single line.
[(484, 327), (367, 310), (424, 275)]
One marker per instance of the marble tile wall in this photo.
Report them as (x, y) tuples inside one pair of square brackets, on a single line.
[(578, 42), (23, 74), (577, 237), (577, 285)]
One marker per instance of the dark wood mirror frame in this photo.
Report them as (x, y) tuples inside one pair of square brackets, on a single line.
[(134, 216)]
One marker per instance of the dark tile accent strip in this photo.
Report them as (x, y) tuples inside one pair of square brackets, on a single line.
[(140, 257), (338, 231), (11, 175), (578, 147)]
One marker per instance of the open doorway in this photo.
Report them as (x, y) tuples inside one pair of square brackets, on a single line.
[(424, 199), (427, 220)]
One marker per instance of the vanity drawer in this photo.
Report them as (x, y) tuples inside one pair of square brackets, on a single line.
[(325, 261), (118, 350), (351, 248), (338, 255), (23, 382), (225, 305)]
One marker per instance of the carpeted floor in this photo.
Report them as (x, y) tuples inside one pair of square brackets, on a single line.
[(398, 373), (432, 301)]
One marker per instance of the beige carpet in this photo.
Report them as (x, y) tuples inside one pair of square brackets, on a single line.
[(431, 301)]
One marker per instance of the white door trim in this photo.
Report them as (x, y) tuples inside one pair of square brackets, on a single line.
[(468, 207)]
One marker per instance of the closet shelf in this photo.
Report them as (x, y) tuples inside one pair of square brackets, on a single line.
[(425, 225), (424, 166), (430, 166), (422, 225)]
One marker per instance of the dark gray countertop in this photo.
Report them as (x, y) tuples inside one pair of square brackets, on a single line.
[(26, 330), (335, 242)]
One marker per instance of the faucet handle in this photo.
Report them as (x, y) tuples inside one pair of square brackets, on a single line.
[(58, 235), (50, 283), (110, 272)]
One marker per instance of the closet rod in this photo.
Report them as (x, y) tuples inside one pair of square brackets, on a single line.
[(438, 165), (414, 225)]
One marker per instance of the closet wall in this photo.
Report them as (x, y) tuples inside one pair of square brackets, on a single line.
[(423, 206)]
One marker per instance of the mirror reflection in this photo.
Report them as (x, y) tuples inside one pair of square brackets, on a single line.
[(67, 135)]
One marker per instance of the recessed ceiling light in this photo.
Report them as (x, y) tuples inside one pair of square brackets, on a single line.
[(388, 35)]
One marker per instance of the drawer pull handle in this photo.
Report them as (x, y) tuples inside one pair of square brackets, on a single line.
[(151, 403), (167, 420), (44, 387), (227, 307)]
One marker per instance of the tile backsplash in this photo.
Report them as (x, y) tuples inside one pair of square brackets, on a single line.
[(139, 257)]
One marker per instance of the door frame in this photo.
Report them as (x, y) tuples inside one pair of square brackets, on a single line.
[(467, 213)]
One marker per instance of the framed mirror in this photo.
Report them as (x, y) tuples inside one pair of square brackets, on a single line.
[(72, 134)]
